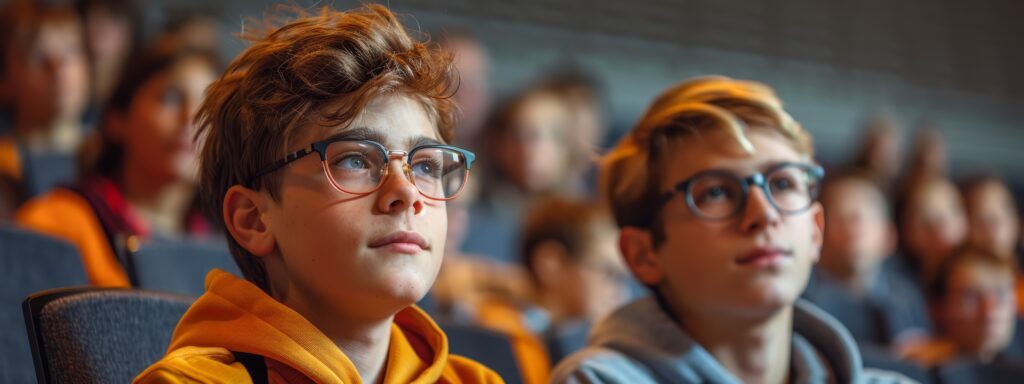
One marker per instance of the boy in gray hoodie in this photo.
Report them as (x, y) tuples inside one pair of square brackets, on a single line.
[(714, 191)]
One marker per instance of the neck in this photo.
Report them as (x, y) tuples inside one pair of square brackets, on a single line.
[(858, 283), (162, 204), (755, 350), (364, 341)]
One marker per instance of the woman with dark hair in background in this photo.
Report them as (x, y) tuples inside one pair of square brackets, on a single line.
[(137, 172)]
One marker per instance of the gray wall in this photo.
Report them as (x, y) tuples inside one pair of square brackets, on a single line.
[(833, 62)]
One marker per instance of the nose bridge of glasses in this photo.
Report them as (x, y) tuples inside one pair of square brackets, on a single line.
[(401, 157), (756, 182)]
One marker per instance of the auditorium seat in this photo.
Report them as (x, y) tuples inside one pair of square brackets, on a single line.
[(99, 335)]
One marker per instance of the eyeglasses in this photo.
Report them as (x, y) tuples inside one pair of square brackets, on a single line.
[(718, 195), (359, 167)]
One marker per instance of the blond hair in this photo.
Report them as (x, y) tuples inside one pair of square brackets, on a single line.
[(630, 173)]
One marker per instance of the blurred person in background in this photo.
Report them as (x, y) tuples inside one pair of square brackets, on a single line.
[(975, 307), (853, 280), (138, 171), (932, 224), (530, 151), (576, 276), (44, 91), (992, 213), (474, 94), (112, 34), (880, 152), (929, 158), (582, 92), (195, 29), (994, 222)]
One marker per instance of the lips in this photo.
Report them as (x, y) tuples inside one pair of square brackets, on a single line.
[(401, 241), (764, 257)]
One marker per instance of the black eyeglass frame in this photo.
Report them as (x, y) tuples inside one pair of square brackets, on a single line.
[(757, 179)]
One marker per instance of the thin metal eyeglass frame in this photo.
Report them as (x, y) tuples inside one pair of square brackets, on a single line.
[(320, 147)]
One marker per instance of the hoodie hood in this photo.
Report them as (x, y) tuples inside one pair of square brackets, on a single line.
[(236, 315), (822, 349)]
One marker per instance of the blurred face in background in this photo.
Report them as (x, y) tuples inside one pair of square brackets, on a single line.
[(934, 222), (858, 233), (590, 284), (993, 218), (979, 309), (535, 152), (474, 94), (110, 37), (157, 130), (49, 75)]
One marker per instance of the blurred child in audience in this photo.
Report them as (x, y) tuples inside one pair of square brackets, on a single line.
[(112, 34), (992, 214), (44, 88), (576, 274), (933, 224), (531, 154), (325, 159), (880, 152), (138, 171), (714, 192), (975, 307), (474, 95), (994, 222), (852, 280), (582, 94)]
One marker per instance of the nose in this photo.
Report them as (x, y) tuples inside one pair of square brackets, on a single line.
[(398, 193), (759, 213)]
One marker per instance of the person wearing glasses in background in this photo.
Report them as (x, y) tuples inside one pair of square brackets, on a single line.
[(714, 191), (325, 160)]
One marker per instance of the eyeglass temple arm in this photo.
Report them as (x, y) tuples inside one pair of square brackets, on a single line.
[(281, 163)]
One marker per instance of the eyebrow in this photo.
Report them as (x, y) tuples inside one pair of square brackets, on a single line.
[(364, 133)]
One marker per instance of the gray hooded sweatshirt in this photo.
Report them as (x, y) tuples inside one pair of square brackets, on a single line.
[(639, 343)]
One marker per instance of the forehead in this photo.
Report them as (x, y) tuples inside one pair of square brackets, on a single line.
[(937, 195), (717, 149), (395, 120), (970, 274)]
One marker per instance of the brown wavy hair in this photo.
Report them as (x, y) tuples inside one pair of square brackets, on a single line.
[(323, 68)]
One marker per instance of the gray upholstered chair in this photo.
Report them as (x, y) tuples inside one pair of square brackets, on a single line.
[(99, 335)]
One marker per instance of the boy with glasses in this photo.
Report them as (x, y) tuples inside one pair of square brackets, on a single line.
[(714, 192), (324, 157)]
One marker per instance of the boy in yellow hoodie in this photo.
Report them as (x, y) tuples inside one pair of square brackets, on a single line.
[(324, 157)]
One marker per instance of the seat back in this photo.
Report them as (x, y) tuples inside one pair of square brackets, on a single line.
[(181, 266), (969, 372), (29, 262), (490, 348), (99, 335)]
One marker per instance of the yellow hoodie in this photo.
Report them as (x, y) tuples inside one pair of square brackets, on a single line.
[(235, 315)]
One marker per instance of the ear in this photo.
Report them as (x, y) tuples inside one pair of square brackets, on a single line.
[(548, 263), (639, 254), (818, 231), (245, 219)]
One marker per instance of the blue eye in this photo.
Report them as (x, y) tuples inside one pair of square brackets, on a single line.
[(782, 184), (353, 162), (427, 168)]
